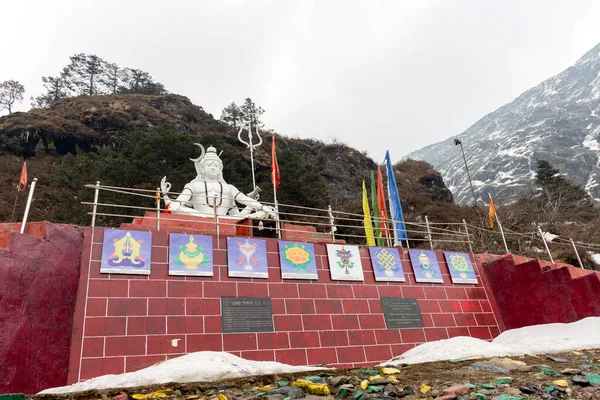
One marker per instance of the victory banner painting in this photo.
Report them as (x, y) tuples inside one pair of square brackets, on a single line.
[(425, 266), (297, 260), (386, 264), (247, 258), (461, 268), (126, 252), (344, 262), (190, 255)]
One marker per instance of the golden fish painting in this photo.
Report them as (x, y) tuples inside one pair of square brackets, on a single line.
[(126, 252)]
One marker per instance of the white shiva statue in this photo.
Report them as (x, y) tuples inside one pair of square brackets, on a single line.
[(209, 190)]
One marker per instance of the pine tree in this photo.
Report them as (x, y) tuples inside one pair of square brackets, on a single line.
[(252, 113), (88, 73), (57, 88), (232, 115)]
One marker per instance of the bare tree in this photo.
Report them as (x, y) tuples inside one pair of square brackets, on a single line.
[(10, 92)]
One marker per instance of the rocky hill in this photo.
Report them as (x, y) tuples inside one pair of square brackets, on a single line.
[(557, 121), (133, 140)]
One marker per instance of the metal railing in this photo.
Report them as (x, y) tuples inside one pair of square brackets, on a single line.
[(327, 224)]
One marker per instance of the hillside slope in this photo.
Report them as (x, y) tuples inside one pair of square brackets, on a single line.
[(86, 139)]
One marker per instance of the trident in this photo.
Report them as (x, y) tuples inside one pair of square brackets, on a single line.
[(251, 146)]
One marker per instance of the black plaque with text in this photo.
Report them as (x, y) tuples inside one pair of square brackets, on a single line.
[(401, 313), (243, 314)]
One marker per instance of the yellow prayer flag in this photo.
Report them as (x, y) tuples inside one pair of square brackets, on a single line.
[(367, 221)]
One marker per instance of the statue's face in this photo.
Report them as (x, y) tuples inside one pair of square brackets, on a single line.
[(212, 169)]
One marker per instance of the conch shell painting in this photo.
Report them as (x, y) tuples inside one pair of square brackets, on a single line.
[(247, 258)]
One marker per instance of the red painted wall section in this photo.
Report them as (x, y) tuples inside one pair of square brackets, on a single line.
[(124, 322), (530, 293), (38, 286)]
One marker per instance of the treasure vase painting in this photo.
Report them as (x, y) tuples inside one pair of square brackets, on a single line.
[(386, 264), (297, 260), (344, 262), (425, 266), (126, 252), (461, 268), (190, 255), (247, 258)]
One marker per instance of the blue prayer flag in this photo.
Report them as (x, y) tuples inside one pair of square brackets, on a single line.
[(395, 206)]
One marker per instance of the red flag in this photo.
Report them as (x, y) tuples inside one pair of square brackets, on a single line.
[(492, 212), (381, 205), (274, 166), (23, 181)]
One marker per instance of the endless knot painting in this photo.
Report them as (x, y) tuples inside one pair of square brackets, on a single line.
[(344, 262), (247, 258), (386, 264), (425, 266), (461, 268), (297, 260), (126, 252), (190, 255)]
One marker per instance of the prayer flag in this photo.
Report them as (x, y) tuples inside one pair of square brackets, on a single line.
[(492, 212), (367, 217), (395, 206), (274, 166), (23, 181), (381, 205), (378, 237)]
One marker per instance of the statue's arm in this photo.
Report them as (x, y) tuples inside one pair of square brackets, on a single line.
[(183, 199), (248, 201)]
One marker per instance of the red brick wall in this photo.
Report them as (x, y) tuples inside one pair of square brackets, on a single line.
[(528, 295), (124, 322)]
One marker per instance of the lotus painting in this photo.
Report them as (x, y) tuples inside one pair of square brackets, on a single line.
[(190, 255), (247, 258), (425, 266), (344, 262), (461, 268), (126, 252), (386, 264), (297, 260)]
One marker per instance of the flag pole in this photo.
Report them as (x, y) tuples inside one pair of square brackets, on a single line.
[(26, 214), (501, 230), (12, 217), (277, 224)]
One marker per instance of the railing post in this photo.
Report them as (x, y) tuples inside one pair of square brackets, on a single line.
[(332, 224), (577, 254), (26, 214), (95, 207), (545, 244), (158, 209), (217, 217), (468, 237), (428, 232)]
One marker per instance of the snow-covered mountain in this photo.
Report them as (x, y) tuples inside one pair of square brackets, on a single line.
[(557, 121)]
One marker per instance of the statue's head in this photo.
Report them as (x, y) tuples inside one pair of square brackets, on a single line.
[(209, 164)]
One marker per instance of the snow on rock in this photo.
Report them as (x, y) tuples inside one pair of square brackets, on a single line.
[(536, 339), (202, 366)]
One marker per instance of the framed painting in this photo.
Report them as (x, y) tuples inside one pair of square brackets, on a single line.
[(460, 267), (386, 264), (297, 260), (190, 255), (344, 262), (247, 258), (126, 252), (425, 266)]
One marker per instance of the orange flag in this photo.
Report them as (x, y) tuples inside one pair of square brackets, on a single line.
[(274, 166), (492, 212), (23, 181)]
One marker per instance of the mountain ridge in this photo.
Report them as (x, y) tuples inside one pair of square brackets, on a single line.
[(557, 120)]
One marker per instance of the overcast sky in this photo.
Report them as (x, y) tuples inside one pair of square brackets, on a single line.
[(377, 75)]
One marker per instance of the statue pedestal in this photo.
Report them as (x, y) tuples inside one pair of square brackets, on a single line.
[(185, 224)]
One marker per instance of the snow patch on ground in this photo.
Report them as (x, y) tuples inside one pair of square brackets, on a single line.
[(203, 366), (536, 339)]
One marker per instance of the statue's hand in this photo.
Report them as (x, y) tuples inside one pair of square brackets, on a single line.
[(165, 187), (269, 210)]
